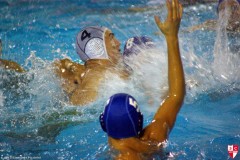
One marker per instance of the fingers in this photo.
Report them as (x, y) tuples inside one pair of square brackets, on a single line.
[(180, 11), (174, 16), (157, 20), (174, 9), (169, 7)]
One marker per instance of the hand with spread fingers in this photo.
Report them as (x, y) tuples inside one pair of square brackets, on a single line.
[(171, 25)]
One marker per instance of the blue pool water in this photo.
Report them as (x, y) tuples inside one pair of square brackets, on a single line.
[(36, 121)]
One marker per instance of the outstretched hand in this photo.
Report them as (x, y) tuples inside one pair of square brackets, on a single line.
[(171, 25)]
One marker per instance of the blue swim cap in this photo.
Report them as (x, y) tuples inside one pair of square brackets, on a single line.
[(121, 117), (90, 43), (135, 44)]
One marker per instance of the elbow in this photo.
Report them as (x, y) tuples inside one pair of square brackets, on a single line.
[(178, 95), (178, 99)]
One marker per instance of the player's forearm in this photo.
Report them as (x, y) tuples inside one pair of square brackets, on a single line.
[(175, 69), (173, 102)]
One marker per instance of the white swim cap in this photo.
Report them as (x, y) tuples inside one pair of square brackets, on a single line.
[(90, 43)]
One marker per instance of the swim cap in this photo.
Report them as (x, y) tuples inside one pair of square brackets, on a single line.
[(90, 43), (121, 117), (135, 44)]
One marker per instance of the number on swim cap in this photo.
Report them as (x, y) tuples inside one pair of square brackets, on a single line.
[(85, 34), (134, 104), (129, 43)]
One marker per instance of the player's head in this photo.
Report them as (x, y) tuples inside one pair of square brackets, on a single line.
[(97, 43), (136, 44), (121, 117)]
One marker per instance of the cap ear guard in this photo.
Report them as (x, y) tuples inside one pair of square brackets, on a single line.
[(102, 122), (101, 117), (140, 124), (95, 49)]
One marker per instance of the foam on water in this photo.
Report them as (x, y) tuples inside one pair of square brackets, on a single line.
[(33, 103), (226, 62), (149, 76)]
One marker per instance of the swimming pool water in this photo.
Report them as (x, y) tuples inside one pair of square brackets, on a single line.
[(35, 119)]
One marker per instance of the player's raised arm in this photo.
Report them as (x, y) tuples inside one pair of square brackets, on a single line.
[(173, 102)]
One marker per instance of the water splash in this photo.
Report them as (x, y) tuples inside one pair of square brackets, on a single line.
[(33, 99), (225, 61)]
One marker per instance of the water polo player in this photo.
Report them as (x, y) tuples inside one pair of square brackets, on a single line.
[(100, 51), (228, 10), (134, 46), (122, 119)]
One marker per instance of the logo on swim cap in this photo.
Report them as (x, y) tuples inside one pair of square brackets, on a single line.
[(121, 117), (90, 43), (134, 45)]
